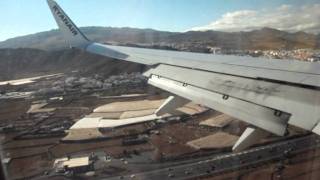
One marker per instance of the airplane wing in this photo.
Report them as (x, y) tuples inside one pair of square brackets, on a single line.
[(267, 93)]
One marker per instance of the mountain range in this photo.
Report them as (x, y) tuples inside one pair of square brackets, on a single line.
[(263, 39)]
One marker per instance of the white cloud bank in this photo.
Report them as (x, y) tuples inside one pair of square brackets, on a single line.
[(286, 17)]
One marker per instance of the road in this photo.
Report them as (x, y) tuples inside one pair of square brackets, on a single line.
[(231, 161)]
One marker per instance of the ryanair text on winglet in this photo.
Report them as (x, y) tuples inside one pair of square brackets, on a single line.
[(65, 20)]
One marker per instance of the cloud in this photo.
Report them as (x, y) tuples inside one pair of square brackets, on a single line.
[(286, 17)]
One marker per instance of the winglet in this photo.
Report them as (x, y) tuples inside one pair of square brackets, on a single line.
[(70, 31)]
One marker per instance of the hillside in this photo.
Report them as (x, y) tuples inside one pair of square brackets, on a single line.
[(265, 38), (20, 63)]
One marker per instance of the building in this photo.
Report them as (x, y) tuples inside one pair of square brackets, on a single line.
[(75, 165)]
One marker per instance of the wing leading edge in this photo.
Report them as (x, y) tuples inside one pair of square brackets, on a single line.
[(269, 94)]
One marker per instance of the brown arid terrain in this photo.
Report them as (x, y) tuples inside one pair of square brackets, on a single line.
[(36, 128), (39, 118), (19, 63)]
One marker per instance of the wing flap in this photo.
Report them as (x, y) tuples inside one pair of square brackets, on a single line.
[(283, 98), (259, 116)]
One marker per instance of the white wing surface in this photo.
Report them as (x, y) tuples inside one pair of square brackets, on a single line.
[(267, 93)]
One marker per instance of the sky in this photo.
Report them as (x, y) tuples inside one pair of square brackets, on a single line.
[(22, 17)]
